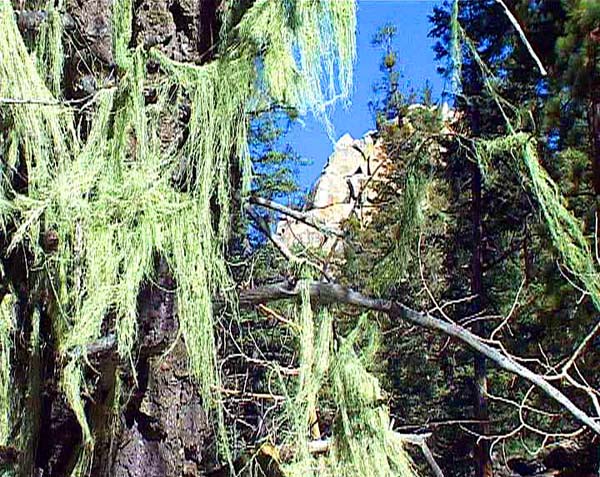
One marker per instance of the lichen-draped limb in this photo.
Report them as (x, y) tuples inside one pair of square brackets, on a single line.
[(455, 48), (565, 229), (43, 135)]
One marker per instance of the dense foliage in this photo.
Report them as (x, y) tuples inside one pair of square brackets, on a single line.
[(495, 227)]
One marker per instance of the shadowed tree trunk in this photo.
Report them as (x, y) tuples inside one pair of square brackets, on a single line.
[(594, 108), (163, 430), (483, 463)]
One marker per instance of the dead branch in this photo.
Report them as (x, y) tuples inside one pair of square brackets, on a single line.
[(300, 216), (261, 224), (523, 37), (420, 440), (329, 293), (247, 395)]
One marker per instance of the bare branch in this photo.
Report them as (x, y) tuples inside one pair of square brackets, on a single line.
[(262, 225), (300, 216), (521, 33), (510, 313), (248, 396), (333, 293), (581, 347)]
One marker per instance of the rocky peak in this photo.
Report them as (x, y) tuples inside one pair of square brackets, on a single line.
[(345, 186), (341, 190)]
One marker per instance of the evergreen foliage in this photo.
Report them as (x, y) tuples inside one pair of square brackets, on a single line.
[(537, 215)]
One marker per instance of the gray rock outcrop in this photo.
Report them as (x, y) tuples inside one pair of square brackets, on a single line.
[(342, 189)]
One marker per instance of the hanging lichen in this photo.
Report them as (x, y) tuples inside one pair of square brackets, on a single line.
[(362, 441), (315, 341), (40, 131), (49, 48), (6, 332), (113, 203), (565, 229), (307, 44)]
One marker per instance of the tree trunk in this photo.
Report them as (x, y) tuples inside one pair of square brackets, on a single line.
[(483, 464), (161, 431), (594, 108), (148, 421)]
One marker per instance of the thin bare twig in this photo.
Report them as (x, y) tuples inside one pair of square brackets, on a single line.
[(263, 226), (242, 394), (524, 39), (510, 313)]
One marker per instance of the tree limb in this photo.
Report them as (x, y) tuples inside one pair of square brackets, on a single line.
[(331, 293), (262, 225), (327, 293), (420, 440), (299, 215), (515, 24)]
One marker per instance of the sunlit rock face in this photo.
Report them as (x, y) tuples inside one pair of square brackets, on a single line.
[(345, 187), (342, 190)]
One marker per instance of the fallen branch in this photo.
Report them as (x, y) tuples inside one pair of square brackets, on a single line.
[(330, 293)]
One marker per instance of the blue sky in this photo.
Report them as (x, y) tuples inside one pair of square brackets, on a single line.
[(415, 58)]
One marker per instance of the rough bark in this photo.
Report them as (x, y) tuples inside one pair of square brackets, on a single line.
[(483, 462), (166, 431), (594, 108), (26, 372), (162, 429)]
